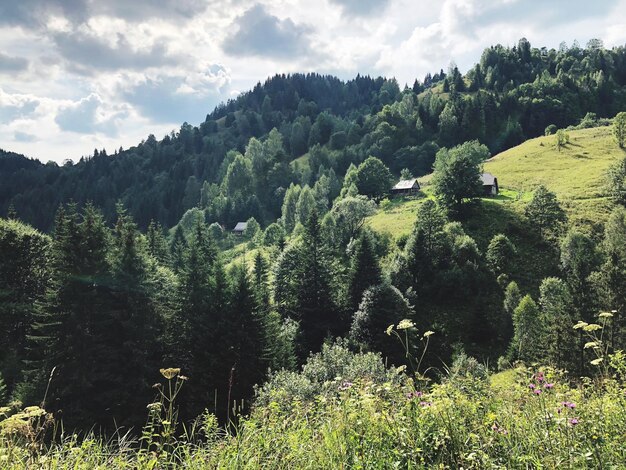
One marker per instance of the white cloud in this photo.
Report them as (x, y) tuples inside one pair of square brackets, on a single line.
[(79, 74)]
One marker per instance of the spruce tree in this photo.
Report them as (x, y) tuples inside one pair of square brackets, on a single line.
[(382, 305), (192, 332), (178, 246), (366, 271), (246, 339), (68, 331), (316, 308), (157, 245)]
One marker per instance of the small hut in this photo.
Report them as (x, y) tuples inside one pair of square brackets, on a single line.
[(240, 228), (490, 184), (406, 188)]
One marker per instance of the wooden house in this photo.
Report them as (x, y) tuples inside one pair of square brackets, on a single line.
[(240, 228), (406, 188), (490, 184)]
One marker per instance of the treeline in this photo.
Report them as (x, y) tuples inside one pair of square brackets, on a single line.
[(512, 94)]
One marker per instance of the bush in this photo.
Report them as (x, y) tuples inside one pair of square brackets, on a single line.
[(550, 130)]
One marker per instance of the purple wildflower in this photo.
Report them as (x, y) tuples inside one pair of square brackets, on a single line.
[(573, 421), (412, 395), (345, 386), (531, 386), (537, 391), (548, 386), (425, 403)]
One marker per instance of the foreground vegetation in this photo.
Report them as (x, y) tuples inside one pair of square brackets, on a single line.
[(346, 410)]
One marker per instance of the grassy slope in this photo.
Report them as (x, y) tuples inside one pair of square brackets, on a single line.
[(576, 175)]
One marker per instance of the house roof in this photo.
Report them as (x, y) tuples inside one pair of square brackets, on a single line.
[(406, 184), (488, 179), (240, 227)]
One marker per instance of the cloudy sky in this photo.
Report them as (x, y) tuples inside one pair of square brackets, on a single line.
[(82, 74)]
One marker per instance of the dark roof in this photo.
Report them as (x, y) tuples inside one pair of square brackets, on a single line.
[(488, 179), (240, 227), (406, 184)]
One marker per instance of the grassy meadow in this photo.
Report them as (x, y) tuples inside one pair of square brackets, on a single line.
[(520, 418)]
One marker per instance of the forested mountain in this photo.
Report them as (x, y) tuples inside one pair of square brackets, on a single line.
[(233, 167)]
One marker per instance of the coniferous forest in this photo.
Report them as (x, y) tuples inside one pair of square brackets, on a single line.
[(122, 280)]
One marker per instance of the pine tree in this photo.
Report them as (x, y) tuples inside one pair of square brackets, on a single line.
[(512, 298), (315, 300), (612, 275), (178, 247), (246, 337), (70, 324), (192, 333), (366, 271), (382, 305), (157, 245), (290, 203), (133, 333)]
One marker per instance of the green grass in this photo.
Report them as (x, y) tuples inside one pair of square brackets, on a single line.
[(464, 422), (577, 173), (398, 219)]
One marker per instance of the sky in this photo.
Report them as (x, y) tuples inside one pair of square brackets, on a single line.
[(76, 75)]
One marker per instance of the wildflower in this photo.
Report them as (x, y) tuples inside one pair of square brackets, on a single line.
[(389, 330), (499, 429), (573, 421), (157, 385), (412, 395), (345, 386), (183, 377), (595, 362), (548, 386), (540, 377), (428, 333), (537, 391), (405, 325), (606, 315), (531, 386), (170, 373), (568, 404), (153, 406), (425, 403)]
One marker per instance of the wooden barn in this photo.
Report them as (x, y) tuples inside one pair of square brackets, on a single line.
[(240, 228), (490, 184), (406, 188)]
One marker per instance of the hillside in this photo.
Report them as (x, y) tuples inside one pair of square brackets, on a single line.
[(325, 125), (577, 174)]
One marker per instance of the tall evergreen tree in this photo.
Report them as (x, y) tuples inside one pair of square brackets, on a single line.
[(315, 298), (157, 245), (366, 271), (246, 338), (68, 331)]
